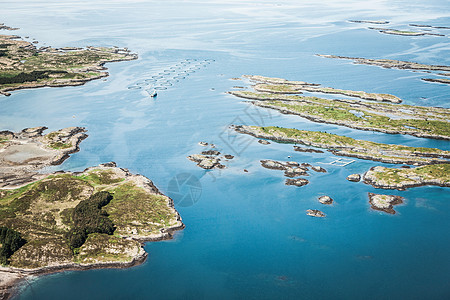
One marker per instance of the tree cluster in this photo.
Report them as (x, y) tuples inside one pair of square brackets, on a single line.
[(88, 217), (11, 242)]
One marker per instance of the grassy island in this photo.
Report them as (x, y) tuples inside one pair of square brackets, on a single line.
[(75, 220), (391, 63), (22, 65), (393, 178), (429, 122), (346, 146)]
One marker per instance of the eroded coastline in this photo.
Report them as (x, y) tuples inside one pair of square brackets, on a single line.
[(24, 66)]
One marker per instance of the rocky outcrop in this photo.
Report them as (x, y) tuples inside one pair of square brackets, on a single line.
[(354, 177), (263, 142), (438, 80), (23, 154), (315, 213), (325, 200), (384, 202), (209, 159), (297, 182), (318, 169), (308, 150), (401, 179)]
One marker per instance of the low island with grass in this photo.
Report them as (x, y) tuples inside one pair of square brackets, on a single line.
[(22, 65), (392, 118), (401, 178), (346, 146), (97, 218)]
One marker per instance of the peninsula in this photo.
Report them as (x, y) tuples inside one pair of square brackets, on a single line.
[(22, 65), (73, 221)]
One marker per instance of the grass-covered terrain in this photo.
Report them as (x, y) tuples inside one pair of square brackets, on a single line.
[(394, 178), (24, 66), (390, 63), (83, 217), (290, 88), (346, 146), (431, 122)]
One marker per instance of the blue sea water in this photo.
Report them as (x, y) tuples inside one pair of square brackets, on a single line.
[(247, 236)]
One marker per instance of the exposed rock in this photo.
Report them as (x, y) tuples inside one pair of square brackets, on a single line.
[(325, 200), (315, 213), (295, 171), (272, 164), (297, 182), (264, 142), (211, 152), (24, 153), (228, 156), (354, 177), (384, 202), (438, 80), (400, 178), (203, 144), (318, 169), (309, 150)]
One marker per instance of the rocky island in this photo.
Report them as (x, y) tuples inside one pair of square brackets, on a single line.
[(420, 121), (22, 65), (400, 179), (92, 219), (390, 63), (403, 32), (345, 146), (384, 202)]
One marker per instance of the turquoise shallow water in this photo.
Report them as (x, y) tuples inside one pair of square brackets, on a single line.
[(248, 235)]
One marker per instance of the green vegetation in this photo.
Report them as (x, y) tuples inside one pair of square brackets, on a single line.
[(8, 78), (59, 214), (59, 145), (101, 177), (88, 217), (346, 146), (290, 88), (11, 242), (428, 122), (149, 213), (401, 178), (21, 64)]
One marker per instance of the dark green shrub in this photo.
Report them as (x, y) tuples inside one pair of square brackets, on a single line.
[(88, 217)]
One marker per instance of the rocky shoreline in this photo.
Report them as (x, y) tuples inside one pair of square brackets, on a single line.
[(384, 202), (392, 118), (265, 84), (401, 179), (26, 67), (131, 235), (344, 146), (23, 153), (390, 63)]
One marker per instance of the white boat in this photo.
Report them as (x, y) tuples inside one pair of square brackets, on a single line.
[(152, 93)]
